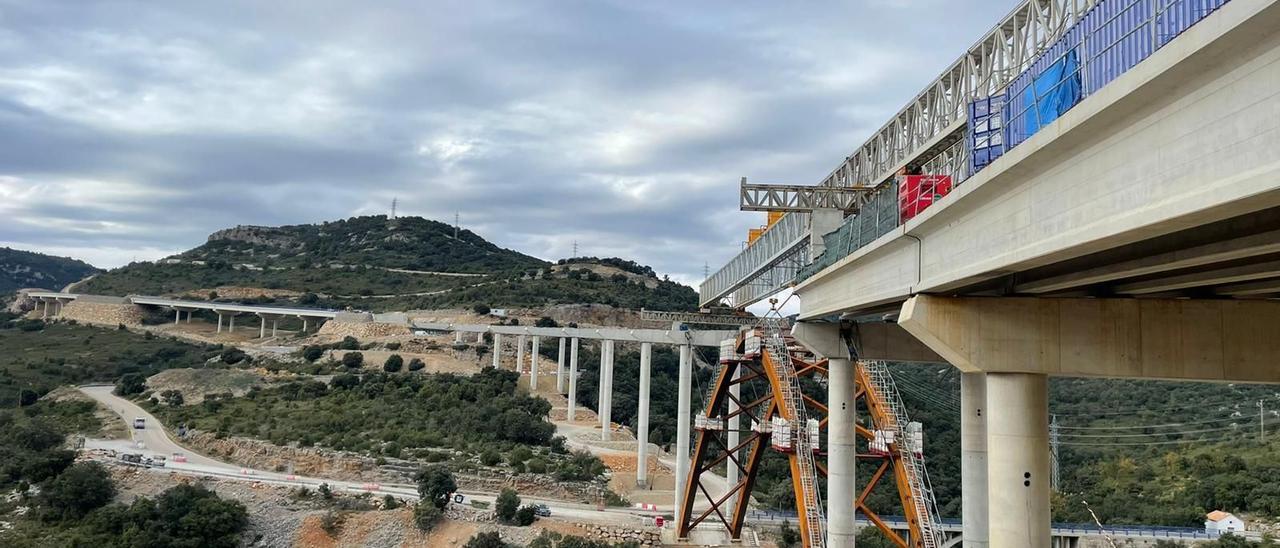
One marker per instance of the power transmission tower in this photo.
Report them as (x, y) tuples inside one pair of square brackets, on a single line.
[(394, 201), (575, 248), (706, 271), (1053, 453), (457, 222)]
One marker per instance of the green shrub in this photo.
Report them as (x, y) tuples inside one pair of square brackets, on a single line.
[(78, 490), (526, 515), (490, 539), (426, 515), (506, 506), (312, 353), (349, 343), (416, 364), (353, 360), (490, 457), (133, 383), (393, 364)]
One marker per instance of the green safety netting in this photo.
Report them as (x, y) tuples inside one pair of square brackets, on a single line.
[(876, 218)]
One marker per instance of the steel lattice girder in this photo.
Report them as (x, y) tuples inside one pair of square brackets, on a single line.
[(710, 450), (800, 198), (921, 131)]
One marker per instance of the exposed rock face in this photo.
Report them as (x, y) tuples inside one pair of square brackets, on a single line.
[(306, 461), (257, 235), (363, 330), (102, 311), (22, 303)]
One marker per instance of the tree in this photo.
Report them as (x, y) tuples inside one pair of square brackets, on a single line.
[(481, 309), (349, 343), (506, 506), (490, 539), (416, 364), (173, 398), (345, 380), (390, 503), (436, 484), (130, 384), (353, 359), (27, 397), (546, 321), (312, 353), (76, 491), (393, 364), (196, 513)]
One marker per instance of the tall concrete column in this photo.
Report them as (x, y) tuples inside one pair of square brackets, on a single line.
[(231, 323), (275, 325), (304, 325), (642, 417), (842, 454), (219, 320), (560, 368), (457, 337), (973, 459), (177, 316), (262, 330), (573, 377), (497, 350), (189, 315), (606, 390), (533, 366), (733, 437), (45, 315), (682, 425), (480, 338), (520, 342), (1018, 460)]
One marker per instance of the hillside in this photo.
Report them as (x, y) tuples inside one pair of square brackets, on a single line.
[(380, 264), (23, 269)]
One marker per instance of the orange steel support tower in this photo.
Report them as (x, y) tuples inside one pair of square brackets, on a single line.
[(763, 374)]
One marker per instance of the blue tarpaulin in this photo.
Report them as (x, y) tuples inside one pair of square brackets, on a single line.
[(1056, 90)]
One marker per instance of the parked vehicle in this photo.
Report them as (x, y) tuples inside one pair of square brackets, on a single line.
[(139, 423), (541, 510)]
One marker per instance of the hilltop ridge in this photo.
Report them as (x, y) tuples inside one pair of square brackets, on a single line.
[(376, 263)]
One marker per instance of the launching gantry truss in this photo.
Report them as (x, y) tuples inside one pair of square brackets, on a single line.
[(757, 404)]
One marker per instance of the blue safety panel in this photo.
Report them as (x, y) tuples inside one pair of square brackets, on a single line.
[(986, 131)]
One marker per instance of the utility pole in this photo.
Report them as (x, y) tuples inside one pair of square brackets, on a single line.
[(1262, 428), (1053, 453)]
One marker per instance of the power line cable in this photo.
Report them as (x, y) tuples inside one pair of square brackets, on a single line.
[(1141, 426), (1179, 433)]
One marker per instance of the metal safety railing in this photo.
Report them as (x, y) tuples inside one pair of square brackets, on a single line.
[(770, 262)]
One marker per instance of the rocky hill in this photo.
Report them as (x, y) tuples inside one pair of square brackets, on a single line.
[(376, 263), (25, 269)]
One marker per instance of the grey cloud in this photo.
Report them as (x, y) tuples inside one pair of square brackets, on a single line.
[(217, 113)]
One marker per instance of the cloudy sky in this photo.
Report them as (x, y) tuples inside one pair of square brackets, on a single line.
[(131, 130)]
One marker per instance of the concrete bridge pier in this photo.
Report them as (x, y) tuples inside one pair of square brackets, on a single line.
[(521, 341), (497, 351), (533, 366), (605, 398), (683, 418), (642, 417), (973, 459), (1018, 460), (573, 377), (560, 368), (457, 337)]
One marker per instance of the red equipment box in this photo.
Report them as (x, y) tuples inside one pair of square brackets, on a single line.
[(917, 192)]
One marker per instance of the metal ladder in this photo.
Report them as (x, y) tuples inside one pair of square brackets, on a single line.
[(918, 476), (794, 400)]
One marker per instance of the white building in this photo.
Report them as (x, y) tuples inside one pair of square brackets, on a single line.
[(1220, 522)]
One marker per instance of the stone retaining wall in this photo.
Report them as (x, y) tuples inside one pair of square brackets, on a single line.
[(102, 311), (363, 330)]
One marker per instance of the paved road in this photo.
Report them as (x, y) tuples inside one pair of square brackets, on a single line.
[(156, 442)]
